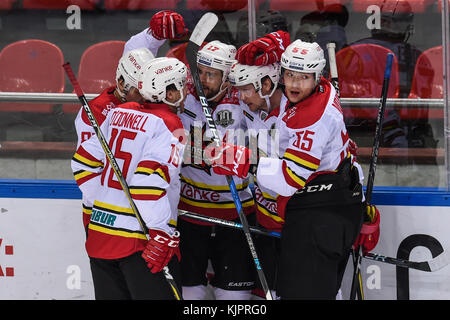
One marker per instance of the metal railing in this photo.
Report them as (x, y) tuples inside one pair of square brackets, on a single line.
[(350, 102)]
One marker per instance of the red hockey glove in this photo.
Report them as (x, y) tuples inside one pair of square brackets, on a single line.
[(160, 249), (167, 24), (370, 232), (352, 147), (265, 50), (229, 159)]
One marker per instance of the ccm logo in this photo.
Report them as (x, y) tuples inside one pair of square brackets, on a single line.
[(170, 243), (316, 188), (162, 70)]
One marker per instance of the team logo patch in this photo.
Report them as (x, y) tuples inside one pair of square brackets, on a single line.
[(224, 118)]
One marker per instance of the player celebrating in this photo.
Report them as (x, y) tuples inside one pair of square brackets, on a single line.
[(125, 90), (206, 193), (261, 101), (149, 140), (317, 180)]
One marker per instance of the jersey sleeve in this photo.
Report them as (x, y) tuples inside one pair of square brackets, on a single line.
[(87, 165), (143, 39), (300, 160), (155, 185)]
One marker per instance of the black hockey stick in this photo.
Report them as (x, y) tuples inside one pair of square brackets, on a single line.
[(432, 265), (115, 167), (335, 81), (191, 54), (227, 223), (373, 165)]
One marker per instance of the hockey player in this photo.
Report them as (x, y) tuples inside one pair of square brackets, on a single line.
[(164, 25), (317, 180), (125, 90), (206, 193), (261, 99), (148, 142)]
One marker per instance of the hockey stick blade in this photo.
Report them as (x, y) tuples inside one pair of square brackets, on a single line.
[(204, 26), (435, 264), (432, 265)]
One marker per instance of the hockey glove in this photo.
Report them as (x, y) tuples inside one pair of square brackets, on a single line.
[(167, 24), (265, 50), (352, 147), (229, 159), (370, 231), (160, 249)]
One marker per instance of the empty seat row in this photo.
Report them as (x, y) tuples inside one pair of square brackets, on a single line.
[(36, 66), (219, 5)]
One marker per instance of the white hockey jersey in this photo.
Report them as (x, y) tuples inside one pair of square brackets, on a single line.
[(313, 140), (100, 107), (267, 142), (203, 191), (147, 142)]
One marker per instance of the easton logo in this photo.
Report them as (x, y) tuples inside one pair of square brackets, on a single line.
[(162, 70)]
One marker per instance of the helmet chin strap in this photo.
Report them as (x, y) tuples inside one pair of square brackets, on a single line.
[(176, 103), (219, 92), (121, 94)]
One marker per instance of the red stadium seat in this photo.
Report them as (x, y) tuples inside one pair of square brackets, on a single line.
[(31, 66), (303, 5), (140, 4), (59, 4), (439, 5), (98, 66), (413, 5), (6, 4), (97, 70), (427, 83), (217, 5), (179, 52), (361, 73), (428, 76)]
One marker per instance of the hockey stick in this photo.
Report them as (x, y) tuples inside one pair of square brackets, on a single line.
[(335, 81), (333, 67), (115, 167), (432, 265), (195, 41), (373, 164), (227, 223)]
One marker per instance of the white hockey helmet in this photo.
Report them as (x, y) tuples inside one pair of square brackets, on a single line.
[(304, 57), (217, 55), (130, 66), (241, 75), (159, 73)]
